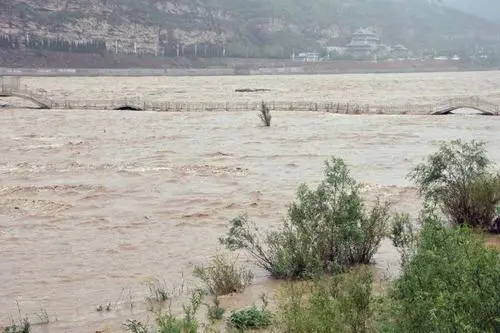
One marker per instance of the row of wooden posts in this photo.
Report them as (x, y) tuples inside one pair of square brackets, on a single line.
[(334, 107)]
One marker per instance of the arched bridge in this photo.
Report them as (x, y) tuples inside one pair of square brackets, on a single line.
[(11, 88), (39, 98), (482, 106)]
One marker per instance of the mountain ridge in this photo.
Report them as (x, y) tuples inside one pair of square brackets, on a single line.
[(489, 9), (240, 28)]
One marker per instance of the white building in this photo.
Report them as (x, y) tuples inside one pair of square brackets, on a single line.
[(363, 42), (307, 56), (337, 50)]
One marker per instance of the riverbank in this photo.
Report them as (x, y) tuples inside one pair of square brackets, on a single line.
[(69, 64), (296, 70)]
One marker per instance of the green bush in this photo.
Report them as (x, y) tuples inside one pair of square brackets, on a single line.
[(135, 326), (343, 303), (450, 284), (168, 323), (404, 237), (23, 327), (215, 311), (251, 318), (457, 178), (327, 229), (157, 291), (223, 277)]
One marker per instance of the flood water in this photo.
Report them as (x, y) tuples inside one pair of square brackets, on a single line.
[(93, 203)]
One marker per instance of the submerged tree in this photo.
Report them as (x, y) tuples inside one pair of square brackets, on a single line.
[(326, 230), (265, 114), (458, 179)]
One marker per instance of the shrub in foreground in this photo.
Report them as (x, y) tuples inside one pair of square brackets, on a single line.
[(457, 178), (223, 277), (23, 327), (404, 236), (215, 311), (251, 318), (157, 291), (135, 326), (167, 322), (450, 284), (327, 229), (339, 304)]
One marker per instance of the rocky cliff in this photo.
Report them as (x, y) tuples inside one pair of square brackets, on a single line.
[(239, 28)]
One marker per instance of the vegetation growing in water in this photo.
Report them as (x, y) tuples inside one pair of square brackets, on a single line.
[(265, 114), (458, 179), (342, 303), (223, 277), (327, 229), (157, 293), (404, 236), (215, 311), (251, 318), (168, 323), (23, 326)]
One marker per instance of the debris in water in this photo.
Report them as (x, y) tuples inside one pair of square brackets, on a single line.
[(251, 90), (127, 108)]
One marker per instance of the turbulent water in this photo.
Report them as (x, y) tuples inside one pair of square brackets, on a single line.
[(93, 203)]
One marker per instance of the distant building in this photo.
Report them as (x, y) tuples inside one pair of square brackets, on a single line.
[(399, 48), (335, 50), (364, 42), (399, 51), (307, 56)]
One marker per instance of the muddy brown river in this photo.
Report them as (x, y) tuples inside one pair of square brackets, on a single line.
[(95, 203)]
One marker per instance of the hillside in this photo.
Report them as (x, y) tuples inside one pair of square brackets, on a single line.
[(233, 28), (489, 9)]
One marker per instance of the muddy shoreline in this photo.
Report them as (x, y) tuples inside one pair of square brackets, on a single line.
[(27, 63), (180, 72)]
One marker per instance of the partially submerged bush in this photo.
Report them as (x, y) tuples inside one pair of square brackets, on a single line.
[(157, 291), (457, 178), (327, 230), (404, 237), (215, 311), (22, 327), (135, 326), (223, 277), (342, 303), (168, 323), (450, 284), (265, 114), (251, 318)]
